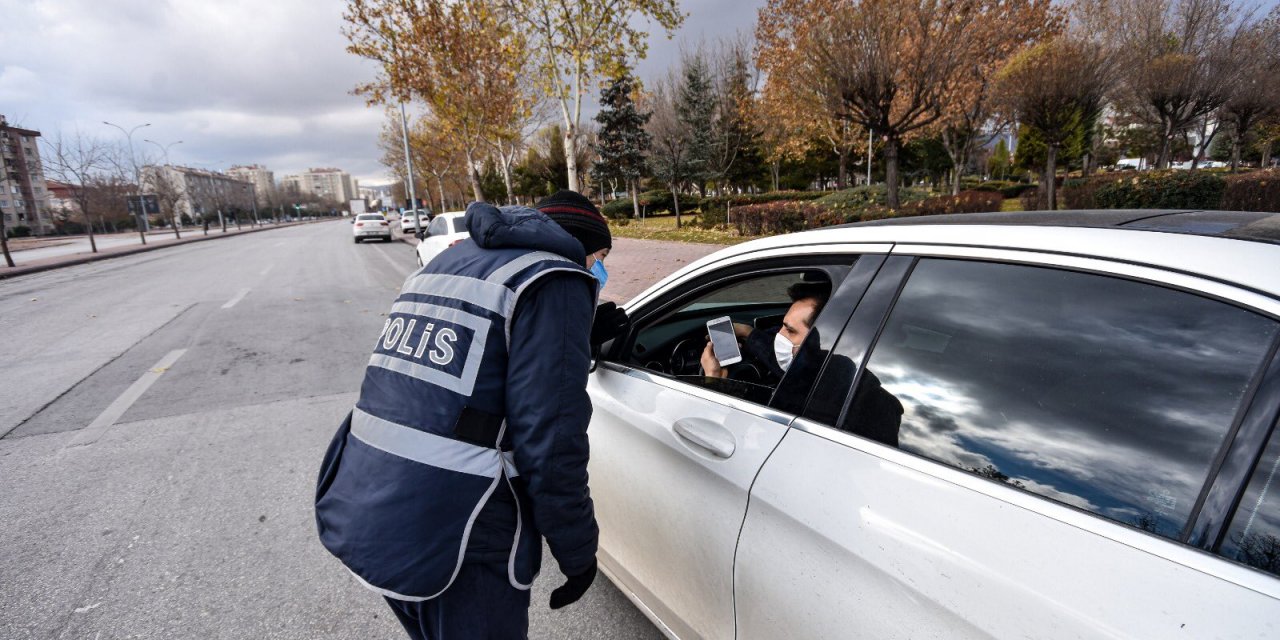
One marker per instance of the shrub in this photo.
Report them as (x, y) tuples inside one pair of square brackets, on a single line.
[(1082, 193), (743, 199), (618, 209), (781, 217), (966, 202), (1253, 191), (1163, 190), (20, 231), (660, 201), (859, 198)]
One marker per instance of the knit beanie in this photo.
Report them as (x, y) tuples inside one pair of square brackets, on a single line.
[(577, 215)]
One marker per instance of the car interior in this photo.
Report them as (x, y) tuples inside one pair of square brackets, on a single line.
[(671, 342)]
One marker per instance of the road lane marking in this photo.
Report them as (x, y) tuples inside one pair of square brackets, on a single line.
[(394, 265), (239, 296), (267, 270), (108, 417)]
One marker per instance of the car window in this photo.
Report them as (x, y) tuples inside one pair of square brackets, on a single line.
[(673, 344), (370, 216), (439, 226), (1254, 535), (460, 224), (1106, 394)]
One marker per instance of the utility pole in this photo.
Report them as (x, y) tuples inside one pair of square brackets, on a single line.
[(408, 162), (870, 142), (137, 177)]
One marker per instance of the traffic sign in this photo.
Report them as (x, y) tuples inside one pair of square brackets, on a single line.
[(139, 205)]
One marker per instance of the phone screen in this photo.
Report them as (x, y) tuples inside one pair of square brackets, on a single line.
[(723, 341)]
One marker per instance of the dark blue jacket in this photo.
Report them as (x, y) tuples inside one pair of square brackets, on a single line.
[(469, 438)]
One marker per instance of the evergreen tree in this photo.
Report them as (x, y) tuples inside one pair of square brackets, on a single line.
[(622, 142), (1001, 162), (696, 107)]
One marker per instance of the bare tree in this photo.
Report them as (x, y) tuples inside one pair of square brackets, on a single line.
[(1185, 59), (670, 157), (170, 189), (74, 162), (1257, 97)]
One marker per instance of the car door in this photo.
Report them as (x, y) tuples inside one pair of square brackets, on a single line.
[(672, 460), (1021, 446)]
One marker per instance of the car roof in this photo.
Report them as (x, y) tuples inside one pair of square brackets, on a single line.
[(1254, 226), (1239, 248)]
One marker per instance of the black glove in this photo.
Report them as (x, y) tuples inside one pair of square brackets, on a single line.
[(610, 323), (574, 587)]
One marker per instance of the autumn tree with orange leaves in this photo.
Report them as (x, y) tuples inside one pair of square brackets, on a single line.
[(462, 59), (895, 67)]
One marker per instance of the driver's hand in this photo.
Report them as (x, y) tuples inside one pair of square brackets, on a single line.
[(710, 365)]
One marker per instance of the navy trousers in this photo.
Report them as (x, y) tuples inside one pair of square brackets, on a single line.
[(481, 604)]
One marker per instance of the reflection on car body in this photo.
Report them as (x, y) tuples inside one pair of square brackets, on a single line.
[(1020, 426)]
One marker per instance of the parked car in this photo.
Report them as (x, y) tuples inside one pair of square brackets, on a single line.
[(411, 221), (444, 231), (371, 225), (1023, 425)]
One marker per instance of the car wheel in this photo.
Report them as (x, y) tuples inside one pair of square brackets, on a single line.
[(357, 240)]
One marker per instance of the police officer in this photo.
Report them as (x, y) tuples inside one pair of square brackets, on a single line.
[(468, 444)]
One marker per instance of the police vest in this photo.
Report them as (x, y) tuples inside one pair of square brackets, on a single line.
[(411, 468)]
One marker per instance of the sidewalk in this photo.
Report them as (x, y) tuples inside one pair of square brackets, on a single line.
[(154, 241)]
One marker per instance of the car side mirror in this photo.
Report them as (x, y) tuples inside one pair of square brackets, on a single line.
[(420, 234)]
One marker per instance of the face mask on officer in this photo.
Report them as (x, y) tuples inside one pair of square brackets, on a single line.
[(596, 266)]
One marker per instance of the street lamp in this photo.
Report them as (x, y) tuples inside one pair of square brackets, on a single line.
[(164, 150), (137, 175)]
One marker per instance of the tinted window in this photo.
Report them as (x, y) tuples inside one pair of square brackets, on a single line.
[(460, 224), (370, 216), (439, 226), (1254, 535), (1102, 393)]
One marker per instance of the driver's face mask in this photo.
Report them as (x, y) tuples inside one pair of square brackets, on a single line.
[(600, 273), (783, 350)]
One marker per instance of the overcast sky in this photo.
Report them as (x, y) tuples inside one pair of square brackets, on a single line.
[(237, 81)]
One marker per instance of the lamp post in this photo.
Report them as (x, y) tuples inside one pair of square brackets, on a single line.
[(164, 149), (137, 175)]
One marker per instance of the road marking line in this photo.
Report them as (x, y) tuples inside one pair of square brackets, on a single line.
[(267, 270), (395, 265), (108, 417), (239, 296)]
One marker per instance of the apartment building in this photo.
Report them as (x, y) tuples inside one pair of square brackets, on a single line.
[(263, 180), (198, 193), (24, 200), (334, 185)]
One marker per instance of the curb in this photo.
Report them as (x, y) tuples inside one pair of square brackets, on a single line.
[(14, 272)]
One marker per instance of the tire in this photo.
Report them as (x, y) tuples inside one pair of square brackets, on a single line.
[(357, 240)]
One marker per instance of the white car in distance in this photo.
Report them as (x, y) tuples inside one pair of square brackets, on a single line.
[(371, 225), (411, 221), (444, 231)]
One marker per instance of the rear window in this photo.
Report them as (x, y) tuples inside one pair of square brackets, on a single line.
[(370, 216), (460, 224), (1106, 394)]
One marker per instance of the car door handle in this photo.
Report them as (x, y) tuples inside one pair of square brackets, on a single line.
[(707, 435)]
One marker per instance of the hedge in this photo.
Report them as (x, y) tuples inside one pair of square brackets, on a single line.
[(743, 199), (1005, 188), (1163, 190), (660, 201), (618, 209), (864, 196), (1253, 191), (19, 231), (782, 217), (966, 202)]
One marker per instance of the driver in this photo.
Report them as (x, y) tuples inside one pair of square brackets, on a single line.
[(776, 351)]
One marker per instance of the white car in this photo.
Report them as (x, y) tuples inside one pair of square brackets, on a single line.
[(1027, 425), (411, 221), (444, 231), (370, 225)]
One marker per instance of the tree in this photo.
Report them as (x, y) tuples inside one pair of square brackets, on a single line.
[(891, 66), (669, 161), (74, 162), (622, 144), (1052, 89), (1185, 58), (1257, 98), (735, 152), (1000, 163), (577, 42), (461, 58), (695, 108)]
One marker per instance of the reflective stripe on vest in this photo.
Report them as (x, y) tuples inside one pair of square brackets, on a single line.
[(428, 448)]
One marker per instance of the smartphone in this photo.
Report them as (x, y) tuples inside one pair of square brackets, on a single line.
[(723, 341)]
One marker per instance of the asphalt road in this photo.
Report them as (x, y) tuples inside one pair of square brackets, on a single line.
[(161, 423)]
